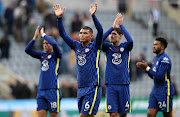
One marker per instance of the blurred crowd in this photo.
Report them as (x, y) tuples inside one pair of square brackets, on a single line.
[(19, 20)]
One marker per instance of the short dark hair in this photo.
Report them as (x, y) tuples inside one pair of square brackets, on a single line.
[(118, 30), (87, 28), (162, 40)]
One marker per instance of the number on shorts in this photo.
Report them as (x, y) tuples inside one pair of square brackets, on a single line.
[(53, 105), (162, 105), (127, 104), (87, 106)]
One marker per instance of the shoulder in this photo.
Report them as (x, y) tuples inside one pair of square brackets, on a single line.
[(165, 59), (42, 53), (77, 44)]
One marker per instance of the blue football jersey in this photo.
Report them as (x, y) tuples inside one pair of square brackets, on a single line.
[(87, 58), (49, 71), (50, 64), (117, 59), (160, 72)]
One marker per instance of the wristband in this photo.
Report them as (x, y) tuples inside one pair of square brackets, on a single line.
[(43, 34), (148, 68)]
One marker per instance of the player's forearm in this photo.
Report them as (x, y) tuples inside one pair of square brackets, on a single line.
[(158, 74), (29, 46), (63, 33), (52, 42), (106, 34), (99, 31), (60, 26), (97, 24), (126, 34)]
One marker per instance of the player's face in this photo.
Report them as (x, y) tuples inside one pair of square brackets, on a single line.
[(114, 37), (85, 35), (47, 47), (157, 47)]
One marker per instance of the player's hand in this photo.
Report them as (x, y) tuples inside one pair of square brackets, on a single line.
[(42, 31), (36, 33), (115, 24), (93, 9), (58, 11), (142, 65), (120, 18)]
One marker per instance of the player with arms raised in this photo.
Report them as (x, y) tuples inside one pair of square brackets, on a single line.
[(87, 59), (117, 78), (49, 94)]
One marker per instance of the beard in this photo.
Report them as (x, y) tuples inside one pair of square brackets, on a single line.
[(157, 51)]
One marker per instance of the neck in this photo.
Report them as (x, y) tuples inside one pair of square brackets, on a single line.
[(160, 52), (116, 44), (49, 52), (84, 44)]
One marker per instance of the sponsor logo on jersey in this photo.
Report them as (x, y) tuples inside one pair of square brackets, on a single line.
[(117, 58), (45, 65), (165, 60), (81, 59)]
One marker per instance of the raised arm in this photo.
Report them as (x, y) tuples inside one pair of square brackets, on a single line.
[(108, 32), (59, 12), (30, 45), (125, 32), (98, 26), (52, 42)]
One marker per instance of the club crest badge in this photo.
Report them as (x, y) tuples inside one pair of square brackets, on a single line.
[(121, 49), (49, 56), (87, 50), (109, 107)]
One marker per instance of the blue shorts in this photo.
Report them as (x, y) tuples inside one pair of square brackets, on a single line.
[(89, 99), (162, 102), (49, 100), (118, 99)]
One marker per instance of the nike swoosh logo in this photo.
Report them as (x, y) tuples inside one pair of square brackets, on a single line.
[(85, 110)]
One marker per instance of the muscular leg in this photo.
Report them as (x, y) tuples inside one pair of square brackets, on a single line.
[(53, 114), (167, 114), (42, 113), (86, 115), (152, 112)]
